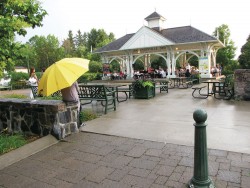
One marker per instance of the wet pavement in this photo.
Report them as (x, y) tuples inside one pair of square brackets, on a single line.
[(145, 143)]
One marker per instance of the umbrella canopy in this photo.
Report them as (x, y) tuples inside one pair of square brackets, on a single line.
[(62, 74)]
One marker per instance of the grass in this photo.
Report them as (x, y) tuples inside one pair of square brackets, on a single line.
[(17, 96), (87, 115), (11, 142)]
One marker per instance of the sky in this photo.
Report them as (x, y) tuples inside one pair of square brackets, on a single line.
[(122, 17)]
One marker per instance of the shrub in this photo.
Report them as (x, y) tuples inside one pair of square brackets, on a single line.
[(87, 115), (17, 76), (89, 77)]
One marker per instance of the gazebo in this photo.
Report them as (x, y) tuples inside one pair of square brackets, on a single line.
[(172, 44)]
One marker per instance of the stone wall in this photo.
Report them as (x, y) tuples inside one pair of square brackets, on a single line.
[(39, 117), (242, 84)]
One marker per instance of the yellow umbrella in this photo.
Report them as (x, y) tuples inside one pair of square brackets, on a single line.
[(62, 74)]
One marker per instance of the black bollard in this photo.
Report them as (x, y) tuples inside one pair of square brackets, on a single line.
[(200, 178)]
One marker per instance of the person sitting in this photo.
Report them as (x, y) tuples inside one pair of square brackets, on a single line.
[(125, 75), (70, 95), (187, 74), (162, 73), (121, 75)]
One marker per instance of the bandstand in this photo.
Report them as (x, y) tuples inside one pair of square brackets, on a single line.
[(172, 44)]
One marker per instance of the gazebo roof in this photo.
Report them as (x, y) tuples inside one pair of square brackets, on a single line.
[(154, 15), (178, 35)]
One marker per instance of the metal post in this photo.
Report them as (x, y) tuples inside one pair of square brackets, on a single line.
[(200, 178)]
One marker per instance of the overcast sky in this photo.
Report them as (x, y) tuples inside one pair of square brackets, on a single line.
[(127, 16)]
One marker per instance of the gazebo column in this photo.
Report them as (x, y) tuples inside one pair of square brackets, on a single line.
[(131, 70), (173, 63)]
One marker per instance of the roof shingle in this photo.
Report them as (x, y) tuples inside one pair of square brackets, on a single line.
[(178, 35)]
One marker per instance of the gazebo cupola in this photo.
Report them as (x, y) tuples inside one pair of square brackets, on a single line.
[(155, 21)]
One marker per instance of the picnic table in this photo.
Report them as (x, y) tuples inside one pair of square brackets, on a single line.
[(181, 82), (213, 88)]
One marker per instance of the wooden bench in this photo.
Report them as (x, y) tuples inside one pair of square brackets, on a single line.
[(98, 93), (200, 96)]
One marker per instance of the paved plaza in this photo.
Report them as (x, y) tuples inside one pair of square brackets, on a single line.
[(145, 143)]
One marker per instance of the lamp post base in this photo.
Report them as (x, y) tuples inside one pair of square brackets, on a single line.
[(193, 183)]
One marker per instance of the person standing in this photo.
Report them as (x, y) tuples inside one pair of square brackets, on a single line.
[(33, 80)]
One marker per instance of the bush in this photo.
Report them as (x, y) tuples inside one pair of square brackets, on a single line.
[(89, 77), (95, 67), (87, 115), (17, 76)]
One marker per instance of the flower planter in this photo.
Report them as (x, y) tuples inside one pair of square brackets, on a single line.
[(144, 92)]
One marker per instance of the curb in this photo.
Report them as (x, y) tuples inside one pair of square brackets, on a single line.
[(26, 150)]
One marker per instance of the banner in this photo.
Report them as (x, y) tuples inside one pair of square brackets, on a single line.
[(203, 65)]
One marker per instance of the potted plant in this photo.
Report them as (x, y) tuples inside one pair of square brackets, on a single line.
[(143, 89)]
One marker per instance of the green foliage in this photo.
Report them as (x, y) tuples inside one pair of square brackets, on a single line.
[(114, 66), (229, 69), (87, 115), (15, 17), (95, 67), (11, 142), (138, 65), (244, 58), (225, 55), (17, 76), (98, 38), (143, 83), (194, 61), (51, 98), (47, 50), (89, 77), (158, 62), (16, 96)]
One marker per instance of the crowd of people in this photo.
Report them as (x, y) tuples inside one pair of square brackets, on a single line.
[(119, 76)]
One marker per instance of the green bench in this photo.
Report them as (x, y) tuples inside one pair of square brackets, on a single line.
[(200, 95), (106, 95), (6, 87), (163, 85), (34, 90)]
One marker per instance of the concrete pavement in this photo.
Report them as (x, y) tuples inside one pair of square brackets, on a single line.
[(145, 143)]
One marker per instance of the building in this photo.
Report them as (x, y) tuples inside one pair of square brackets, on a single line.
[(21, 69), (172, 44)]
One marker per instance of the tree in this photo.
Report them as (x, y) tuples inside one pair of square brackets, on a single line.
[(95, 66), (15, 17), (28, 57), (98, 38), (79, 39), (47, 50), (225, 55), (244, 58)]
